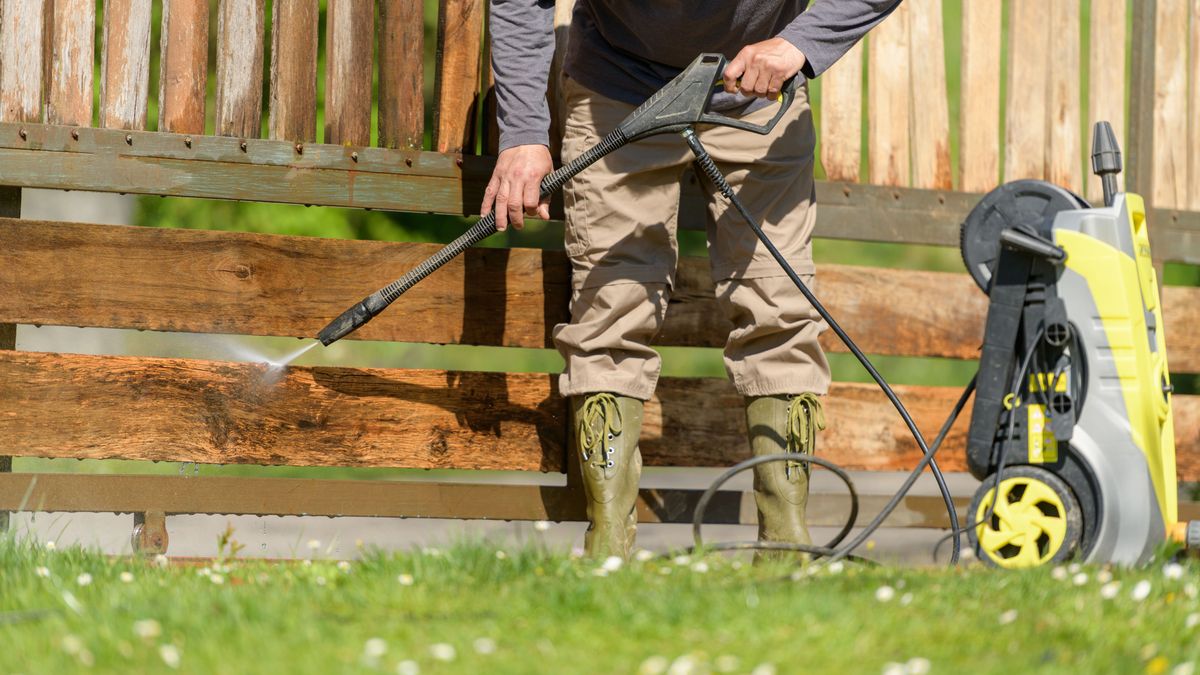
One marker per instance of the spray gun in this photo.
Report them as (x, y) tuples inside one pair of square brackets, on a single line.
[(679, 105)]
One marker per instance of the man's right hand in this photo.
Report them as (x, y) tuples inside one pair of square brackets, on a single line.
[(515, 187)]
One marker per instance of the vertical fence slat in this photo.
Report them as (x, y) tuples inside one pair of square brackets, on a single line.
[(1170, 105), (125, 64), (21, 30), (1106, 72), (841, 117), (73, 53), (239, 68), (401, 83), (1028, 53), (183, 82), (888, 104), (47, 51), (979, 105), (1194, 112), (1063, 153), (460, 26), (349, 31), (294, 34), (931, 113)]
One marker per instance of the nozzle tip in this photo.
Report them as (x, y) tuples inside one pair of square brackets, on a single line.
[(350, 320)]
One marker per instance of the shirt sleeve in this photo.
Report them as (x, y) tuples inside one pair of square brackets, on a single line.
[(522, 46), (829, 28)]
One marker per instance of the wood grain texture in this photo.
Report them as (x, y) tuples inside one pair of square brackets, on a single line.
[(73, 56), (931, 112), (460, 31), (228, 413), (1028, 82), (979, 106), (1194, 112), (841, 117), (295, 27), (401, 85), (183, 84), (125, 64), (1106, 73), (1064, 159), (22, 24), (889, 100), (1170, 105), (239, 68), (350, 27)]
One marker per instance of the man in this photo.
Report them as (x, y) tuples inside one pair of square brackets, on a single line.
[(620, 233)]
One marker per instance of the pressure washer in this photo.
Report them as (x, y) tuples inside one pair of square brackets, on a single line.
[(1071, 423)]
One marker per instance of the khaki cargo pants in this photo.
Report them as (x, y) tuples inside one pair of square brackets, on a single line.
[(620, 236)]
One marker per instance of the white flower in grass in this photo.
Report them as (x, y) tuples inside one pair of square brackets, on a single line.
[(314, 544), (442, 651), (1059, 573), (169, 654), (1190, 590), (612, 563), (541, 525), (501, 555), (1186, 668), (764, 669), (736, 564), (306, 563), (906, 599), (84, 579), (681, 560), (836, 567), (891, 668), (1173, 571), (643, 555), (50, 545), (599, 572), (408, 667), (127, 577), (205, 571), (217, 579), (70, 600), (700, 567), (344, 565), (664, 571), (655, 665), (1192, 620), (1080, 579), (885, 593), (43, 572), (1008, 617), (1103, 576), (1074, 567), (727, 663), (684, 665), (147, 629), (1141, 591), (432, 552), (405, 579), (918, 665), (161, 560), (1109, 591), (374, 648), (484, 645), (320, 581)]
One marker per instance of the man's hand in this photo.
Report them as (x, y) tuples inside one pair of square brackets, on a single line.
[(763, 67), (515, 187)]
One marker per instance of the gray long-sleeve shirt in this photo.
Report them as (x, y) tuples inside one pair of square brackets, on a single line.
[(629, 49)]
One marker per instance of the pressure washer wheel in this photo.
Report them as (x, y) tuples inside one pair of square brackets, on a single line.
[(1036, 521)]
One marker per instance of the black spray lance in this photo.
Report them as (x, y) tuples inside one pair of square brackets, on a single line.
[(677, 106)]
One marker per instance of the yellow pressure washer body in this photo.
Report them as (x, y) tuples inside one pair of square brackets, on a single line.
[(1071, 424)]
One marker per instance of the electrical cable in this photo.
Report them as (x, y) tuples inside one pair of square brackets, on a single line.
[(705, 162)]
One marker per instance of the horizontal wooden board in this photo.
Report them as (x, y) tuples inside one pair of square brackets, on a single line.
[(61, 405), (255, 284), (106, 160), (409, 499)]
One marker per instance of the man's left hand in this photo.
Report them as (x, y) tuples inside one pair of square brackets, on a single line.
[(763, 67)]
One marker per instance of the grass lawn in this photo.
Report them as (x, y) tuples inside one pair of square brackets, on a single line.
[(474, 608)]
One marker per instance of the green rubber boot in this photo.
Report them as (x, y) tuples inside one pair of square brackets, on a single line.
[(783, 424), (607, 428)]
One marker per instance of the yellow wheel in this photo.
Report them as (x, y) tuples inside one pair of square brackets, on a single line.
[(1037, 519)]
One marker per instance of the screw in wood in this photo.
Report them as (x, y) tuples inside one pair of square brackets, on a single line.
[(299, 148), (354, 156), (128, 139), (242, 145), (75, 134), (408, 161), (23, 134), (187, 141)]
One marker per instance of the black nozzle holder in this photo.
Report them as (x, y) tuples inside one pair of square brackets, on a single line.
[(352, 319), (1032, 245), (1106, 159)]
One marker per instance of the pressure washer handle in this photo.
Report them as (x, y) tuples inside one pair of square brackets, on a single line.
[(787, 94)]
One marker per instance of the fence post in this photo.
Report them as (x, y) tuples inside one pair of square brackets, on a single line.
[(10, 207), (1139, 156)]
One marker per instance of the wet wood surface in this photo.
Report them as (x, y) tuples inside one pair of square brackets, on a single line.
[(348, 39), (183, 84), (294, 38)]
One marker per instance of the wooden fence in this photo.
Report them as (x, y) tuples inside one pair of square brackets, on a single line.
[(55, 134)]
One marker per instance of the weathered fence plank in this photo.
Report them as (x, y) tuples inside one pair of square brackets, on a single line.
[(401, 85), (841, 117), (1106, 73), (21, 32), (1194, 112), (930, 114), (460, 34), (888, 100), (1170, 105), (125, 64), (73, 52), (349, 31), (1028, 66), (1063, 153), (294, 37), (183, 84), (979, 102), (240, 25)]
